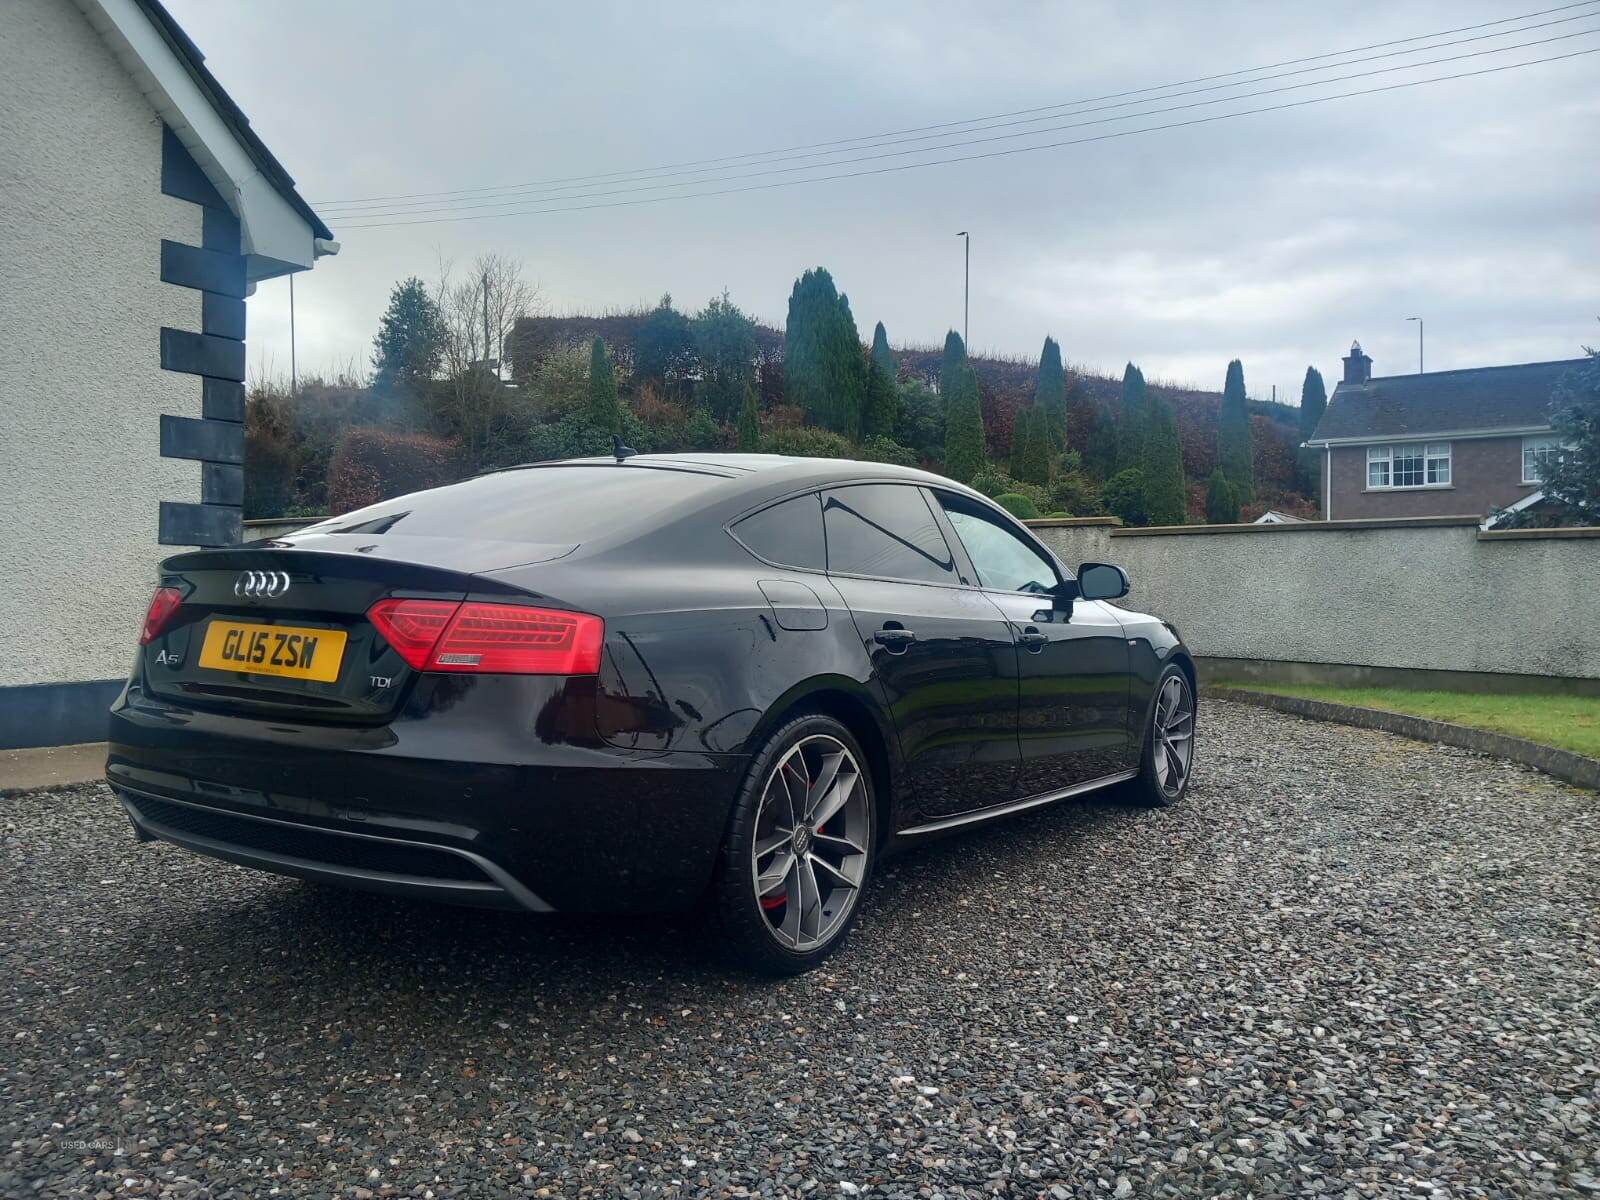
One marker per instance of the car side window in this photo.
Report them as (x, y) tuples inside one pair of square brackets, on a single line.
[(1003, 561), (885, 530), (788, 533)]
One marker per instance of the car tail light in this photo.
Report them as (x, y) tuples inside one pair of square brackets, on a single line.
[(498, 639), (163, 603), (412, 627)]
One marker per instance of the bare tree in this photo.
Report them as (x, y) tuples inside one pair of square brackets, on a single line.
[(479, 307)]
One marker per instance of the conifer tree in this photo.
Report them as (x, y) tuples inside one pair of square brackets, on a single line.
[(1050, 396), (749, 428), (1034, 466), (1313, 403), (847, 371), (1235, 449), (881, 404), (1021, 426), (882, 355), (955, 357), (823, 370), (1100, 443), (963, 428), (1162, 466), (1222, 502), (410, 344), (1131, 418), (603, 410)]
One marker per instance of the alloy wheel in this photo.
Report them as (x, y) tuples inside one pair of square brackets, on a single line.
[(811, 835), (1172, 735)]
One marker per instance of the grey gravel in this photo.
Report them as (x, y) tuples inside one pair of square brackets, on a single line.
[(1348, 966)]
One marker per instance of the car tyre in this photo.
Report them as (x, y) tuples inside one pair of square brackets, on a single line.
[(1166, 758), (798, 851)]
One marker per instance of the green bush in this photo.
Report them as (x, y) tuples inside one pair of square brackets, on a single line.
[(1018, 506), (887, 450), (1075, 493), (807, 441), (1123, 496), (991, 481), (1222, 500), (919, 420), (560, 387)]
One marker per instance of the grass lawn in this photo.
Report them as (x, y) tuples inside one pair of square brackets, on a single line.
[(1566, 722)]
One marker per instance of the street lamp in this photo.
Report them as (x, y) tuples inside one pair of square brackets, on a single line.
[(966, 291), (1418, 320)]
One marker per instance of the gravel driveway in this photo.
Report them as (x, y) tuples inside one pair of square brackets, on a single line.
[(1350, 965)]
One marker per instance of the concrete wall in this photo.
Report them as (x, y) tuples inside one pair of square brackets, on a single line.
[(1485, 474), (1426, 595), (81, 384)]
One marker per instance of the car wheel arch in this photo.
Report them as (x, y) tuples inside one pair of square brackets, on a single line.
[(846, 702)]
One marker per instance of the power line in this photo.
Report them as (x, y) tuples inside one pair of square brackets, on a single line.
[(709, 175), (717, 175), (952, 125), (460, 208), (1102, 137)]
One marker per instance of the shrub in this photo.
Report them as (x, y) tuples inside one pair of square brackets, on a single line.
[(560, 386), (375, 464), (1123, 496), (269, 457), (1222, 500), (576, 436), (1075, 493), (807, 441), (703, 432), (990, 481), (749, 430), (1020, 507), (887, 450), (919, 419), (963, 430)]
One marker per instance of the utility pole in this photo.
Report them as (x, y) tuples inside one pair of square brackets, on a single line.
[(966, 293), (294, 385), (1418, 320)]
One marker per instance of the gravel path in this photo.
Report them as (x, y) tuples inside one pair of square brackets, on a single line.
[(1350, 965)]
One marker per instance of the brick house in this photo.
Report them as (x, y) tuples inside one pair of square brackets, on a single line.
[(1445, 443)]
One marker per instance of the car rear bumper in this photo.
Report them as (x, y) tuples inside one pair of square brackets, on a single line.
[(506, 821), (355, 860)]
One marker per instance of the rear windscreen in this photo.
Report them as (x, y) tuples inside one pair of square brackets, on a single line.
[(538, 504)]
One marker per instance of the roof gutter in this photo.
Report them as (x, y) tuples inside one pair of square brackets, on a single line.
[(1369, 439), (279, 232)]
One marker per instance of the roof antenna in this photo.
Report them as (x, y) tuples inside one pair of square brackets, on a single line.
[(618, 449)]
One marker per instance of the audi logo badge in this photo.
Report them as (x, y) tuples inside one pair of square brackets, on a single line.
[(261, 585)]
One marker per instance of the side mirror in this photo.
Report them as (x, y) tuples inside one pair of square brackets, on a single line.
[(1102, 581)]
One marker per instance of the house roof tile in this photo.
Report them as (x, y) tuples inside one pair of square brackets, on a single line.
[(1477, 399)]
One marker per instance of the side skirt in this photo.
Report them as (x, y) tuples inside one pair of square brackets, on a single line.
[(1016, 806)]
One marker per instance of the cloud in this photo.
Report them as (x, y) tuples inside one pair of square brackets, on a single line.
[(1277, 238)]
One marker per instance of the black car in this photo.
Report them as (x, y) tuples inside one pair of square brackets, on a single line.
[(638, 685)]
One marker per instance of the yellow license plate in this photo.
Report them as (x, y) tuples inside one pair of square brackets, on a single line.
[(286, 650)]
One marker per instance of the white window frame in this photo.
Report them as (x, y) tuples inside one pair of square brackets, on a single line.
[(1535, 444), (1438, 469)]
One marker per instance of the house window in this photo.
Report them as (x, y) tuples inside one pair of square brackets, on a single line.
[(1409, 465), (1537, 454)]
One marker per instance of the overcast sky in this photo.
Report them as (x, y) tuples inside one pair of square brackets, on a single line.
[(1274, 238)]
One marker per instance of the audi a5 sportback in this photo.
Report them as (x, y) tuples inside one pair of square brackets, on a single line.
[(640, 684)]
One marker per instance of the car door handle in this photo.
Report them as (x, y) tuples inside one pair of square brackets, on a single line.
[(1033, 639), (895, 638)]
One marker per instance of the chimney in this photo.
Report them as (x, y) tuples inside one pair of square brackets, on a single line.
[(1357, 366)]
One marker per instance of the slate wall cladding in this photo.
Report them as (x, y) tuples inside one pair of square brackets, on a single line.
[(216, 354)]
